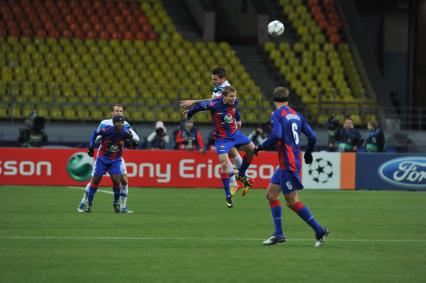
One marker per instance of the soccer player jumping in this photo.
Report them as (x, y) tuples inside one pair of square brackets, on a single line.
[(225, 116), (287, 124)]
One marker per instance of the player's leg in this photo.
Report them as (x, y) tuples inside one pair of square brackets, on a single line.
[(248, 147), (99, 170), (124, 190), (94, 184), (272, 193), (225, 175), (115, 178), (84, 201), (114, 170), (235, 156), (247, 159), (290, 184)]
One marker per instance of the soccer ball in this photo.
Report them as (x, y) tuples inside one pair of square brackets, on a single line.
[(275, 28)]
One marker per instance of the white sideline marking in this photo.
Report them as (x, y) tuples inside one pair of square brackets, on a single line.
[(83, 188), (199, 239)]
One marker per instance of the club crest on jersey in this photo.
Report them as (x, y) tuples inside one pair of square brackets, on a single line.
[(228, 118), (222, 146)]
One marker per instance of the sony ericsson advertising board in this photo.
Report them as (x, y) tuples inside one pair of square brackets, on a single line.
[(391, 171)]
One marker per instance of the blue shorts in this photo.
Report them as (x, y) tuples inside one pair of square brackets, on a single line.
[(289, 181), (225, 145), (103, 165)]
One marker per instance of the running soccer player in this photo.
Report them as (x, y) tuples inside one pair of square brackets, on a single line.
[(117, 109), (108, 158), (225, 116), (287, 124), (219, 82)]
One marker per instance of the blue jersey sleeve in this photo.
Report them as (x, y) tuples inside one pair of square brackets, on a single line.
[(276, 131), (309, 133), (237, 111), (200, 106), (93, 135)]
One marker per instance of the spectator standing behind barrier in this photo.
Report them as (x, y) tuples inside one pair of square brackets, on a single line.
[(257, 136), (189, 138), (159, 138), (33, 135), (211, 141), (375, 141), (332, 125), (348, 138)]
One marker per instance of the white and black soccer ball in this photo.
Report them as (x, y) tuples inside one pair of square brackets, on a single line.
[(321, 170), (276, 28)]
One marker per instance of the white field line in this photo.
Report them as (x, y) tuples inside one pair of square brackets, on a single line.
[(83, 188), (78, 238)]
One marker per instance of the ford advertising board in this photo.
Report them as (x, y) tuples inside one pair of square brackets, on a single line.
[(391, 171)]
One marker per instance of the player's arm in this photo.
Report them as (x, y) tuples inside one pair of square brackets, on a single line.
[(238, 115), (312, 139), (190, 102), (201, 106), (100, 126), (275, 136), (95, 133), (135, 136)]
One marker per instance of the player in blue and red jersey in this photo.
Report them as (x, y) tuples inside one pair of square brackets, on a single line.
[(219, 81), (116, 110), (287, 125), (108, 158), (225, 116)]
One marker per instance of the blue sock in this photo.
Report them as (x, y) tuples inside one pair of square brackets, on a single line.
[(116, 191), (226, 183), (242, 170), (92, 192), (306, 215), (276, 210)]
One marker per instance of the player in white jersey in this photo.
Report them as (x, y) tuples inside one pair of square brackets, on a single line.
[(219, 82), (117, 109)]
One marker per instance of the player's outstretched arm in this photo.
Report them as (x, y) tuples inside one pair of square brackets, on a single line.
[(190, 102)]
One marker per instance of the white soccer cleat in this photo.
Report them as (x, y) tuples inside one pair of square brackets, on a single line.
[(274, 240), (320, 239), (82, 208)]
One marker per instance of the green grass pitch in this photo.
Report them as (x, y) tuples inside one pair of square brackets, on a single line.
[(188, 235)]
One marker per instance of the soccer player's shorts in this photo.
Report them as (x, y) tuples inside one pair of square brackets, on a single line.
[(289, 181), (225, 145), (105, 165), (123, 167)]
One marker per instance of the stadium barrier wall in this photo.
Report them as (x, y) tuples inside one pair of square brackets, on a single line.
[(163, 168), (384, 171)]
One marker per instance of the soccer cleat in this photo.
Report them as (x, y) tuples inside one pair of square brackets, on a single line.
[(320, 238), (234, 188), (116, 207), (88, 208), (274, 240), (229, 202), (82, 207), (247, 182), (125, 210)]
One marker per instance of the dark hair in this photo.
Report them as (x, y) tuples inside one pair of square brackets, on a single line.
[(227, 89), (281, 94), (374, 124), (219, 71)]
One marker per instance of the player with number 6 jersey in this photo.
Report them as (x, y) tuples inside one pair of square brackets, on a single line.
[(287, 125)]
